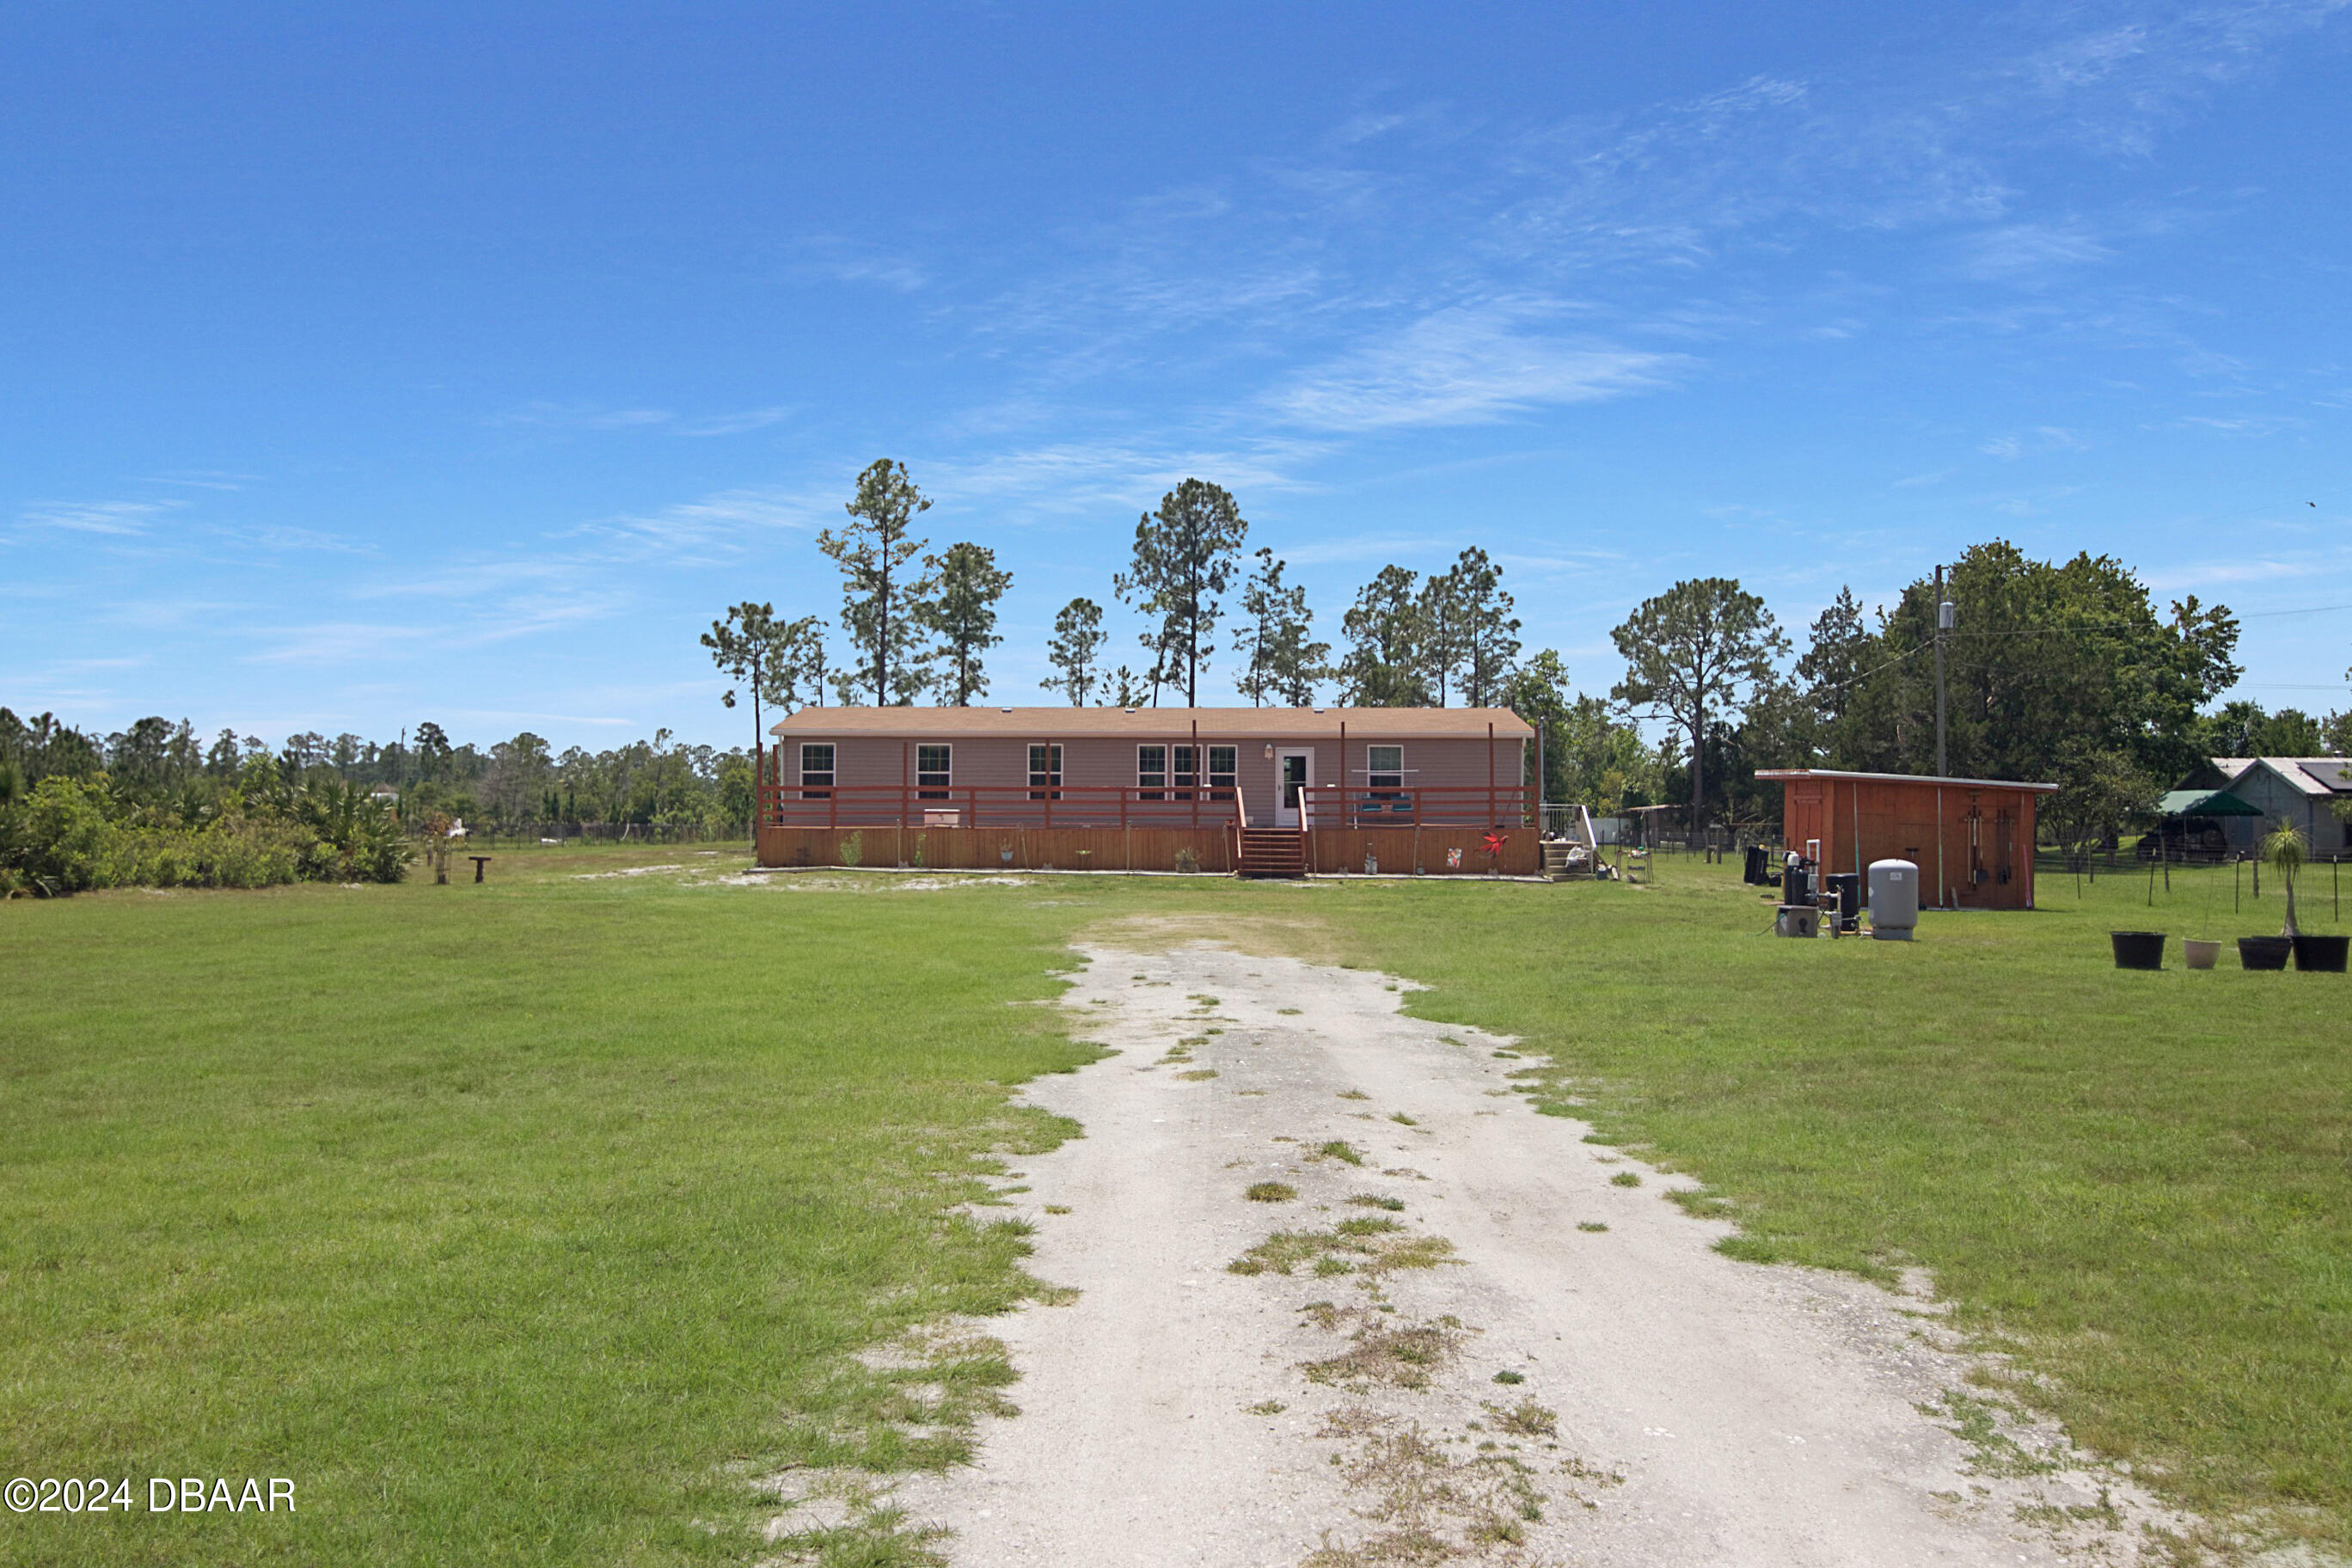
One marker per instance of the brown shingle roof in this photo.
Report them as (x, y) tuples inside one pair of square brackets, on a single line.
[(1267, 724)]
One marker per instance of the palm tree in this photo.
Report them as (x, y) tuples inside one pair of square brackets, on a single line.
[(2284, 850)]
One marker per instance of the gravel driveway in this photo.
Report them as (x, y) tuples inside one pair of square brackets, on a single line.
[(1469, 1337)]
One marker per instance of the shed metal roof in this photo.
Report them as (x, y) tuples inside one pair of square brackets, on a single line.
[(1253, 723), (1902, 778)]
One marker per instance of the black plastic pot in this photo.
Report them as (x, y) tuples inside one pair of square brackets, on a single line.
[(2139, 949), (2320, 954), (2263, 951)]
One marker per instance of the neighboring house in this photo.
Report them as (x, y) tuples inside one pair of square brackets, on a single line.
[(1197, 778), (2289, 791)]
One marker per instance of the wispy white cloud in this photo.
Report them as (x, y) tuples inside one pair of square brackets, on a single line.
[(2042, 438), (716, 526), (1355, 548), (1466, 365), (562, 416), (203, 480), (472, 626), (121, 519), (540, 416), (2206, 572), (736, 423), (839, 259), (2031, 252), (2242, 424), (279, 537)]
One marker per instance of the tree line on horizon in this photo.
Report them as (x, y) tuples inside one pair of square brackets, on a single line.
[(155, 805), (2063, 671)]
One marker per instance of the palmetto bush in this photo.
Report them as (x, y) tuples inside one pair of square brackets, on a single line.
[(356, 839), (70, 836)]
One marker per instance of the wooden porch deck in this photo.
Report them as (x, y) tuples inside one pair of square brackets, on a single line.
[(1430, 830), (1435, 851)]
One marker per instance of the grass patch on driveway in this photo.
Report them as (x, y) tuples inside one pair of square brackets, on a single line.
[(2143, 1180)]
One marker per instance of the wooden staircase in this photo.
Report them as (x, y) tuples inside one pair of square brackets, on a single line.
[(1273, 852)]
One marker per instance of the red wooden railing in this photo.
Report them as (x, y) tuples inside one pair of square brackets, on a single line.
[(1417, 805)]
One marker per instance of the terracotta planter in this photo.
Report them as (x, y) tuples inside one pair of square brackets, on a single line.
[(2320, 954), (2200, 955), (2263, 951), (2137, 949)]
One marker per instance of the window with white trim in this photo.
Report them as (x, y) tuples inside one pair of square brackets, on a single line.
[(816, 764), (1045, 772), (934, 771), (1384, 767), (1152, 770), (1188, 772), (1222, 771)]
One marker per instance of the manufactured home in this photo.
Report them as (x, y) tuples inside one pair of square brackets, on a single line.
[(1972, 839), (1258, 791)]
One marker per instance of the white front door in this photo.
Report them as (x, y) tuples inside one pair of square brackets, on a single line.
[(1293, 771)]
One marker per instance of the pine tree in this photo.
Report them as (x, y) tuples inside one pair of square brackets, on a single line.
[(962, 616), (1184, 557), (1076, 644), (1386, 664), (882, 598), (1283, 664)]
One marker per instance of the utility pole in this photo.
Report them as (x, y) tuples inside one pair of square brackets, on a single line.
[(1942, 625)]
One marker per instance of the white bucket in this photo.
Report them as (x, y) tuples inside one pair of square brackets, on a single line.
[(2201, 954)]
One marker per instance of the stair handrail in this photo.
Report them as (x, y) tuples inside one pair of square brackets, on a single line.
[(1241, 823)]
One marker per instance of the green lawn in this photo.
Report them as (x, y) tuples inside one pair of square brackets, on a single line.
[(497, 1218), (505, 1219)]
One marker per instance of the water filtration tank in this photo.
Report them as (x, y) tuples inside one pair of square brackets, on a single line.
[(1894, 900)]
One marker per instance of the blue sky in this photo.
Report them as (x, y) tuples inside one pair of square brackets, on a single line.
[(461, 363)]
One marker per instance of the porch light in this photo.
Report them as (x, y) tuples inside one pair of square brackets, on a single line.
[(1269, 751)]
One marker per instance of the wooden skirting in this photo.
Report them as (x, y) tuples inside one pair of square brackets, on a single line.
[(1000, 849), (1395, 849), (1421, 851)]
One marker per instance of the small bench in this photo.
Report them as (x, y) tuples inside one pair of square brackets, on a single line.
[(480, 861)]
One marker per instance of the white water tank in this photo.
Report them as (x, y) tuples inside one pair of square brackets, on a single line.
[(1894, 900)]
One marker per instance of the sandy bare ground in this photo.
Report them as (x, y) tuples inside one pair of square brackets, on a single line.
[(1659, 1404)]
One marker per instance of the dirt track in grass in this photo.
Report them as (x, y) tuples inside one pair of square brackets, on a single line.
[(1469, 1337)]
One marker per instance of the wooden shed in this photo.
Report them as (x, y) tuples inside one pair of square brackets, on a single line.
[(1972, 839)]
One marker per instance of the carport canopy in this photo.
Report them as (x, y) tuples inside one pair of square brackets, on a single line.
[(2203, 803)]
